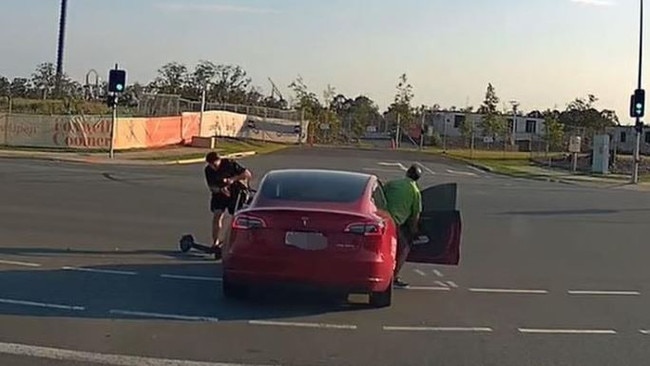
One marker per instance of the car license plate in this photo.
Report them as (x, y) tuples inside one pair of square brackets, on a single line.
[(306, 241)]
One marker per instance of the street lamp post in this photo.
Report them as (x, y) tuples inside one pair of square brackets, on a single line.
[(639, 124), (513, 130), (61, 44)]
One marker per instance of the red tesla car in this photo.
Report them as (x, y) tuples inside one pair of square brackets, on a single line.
[(330, 230)]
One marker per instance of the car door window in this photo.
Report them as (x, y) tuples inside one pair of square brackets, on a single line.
[(379, 198)]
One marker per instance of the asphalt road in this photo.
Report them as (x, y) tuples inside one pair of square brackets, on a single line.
[(551, 274)]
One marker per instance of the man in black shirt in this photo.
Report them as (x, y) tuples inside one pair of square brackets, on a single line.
[(223, 176)]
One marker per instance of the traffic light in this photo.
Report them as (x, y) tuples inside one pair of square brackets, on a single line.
[(116, 81), (637, 104)]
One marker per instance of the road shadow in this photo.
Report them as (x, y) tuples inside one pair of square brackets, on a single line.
[(58, 252), (119, 291)]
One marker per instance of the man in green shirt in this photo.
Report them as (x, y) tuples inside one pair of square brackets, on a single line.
[(404, 203)]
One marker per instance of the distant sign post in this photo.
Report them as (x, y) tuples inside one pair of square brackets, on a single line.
[(575, 145)]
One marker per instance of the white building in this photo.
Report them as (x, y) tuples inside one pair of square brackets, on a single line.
[(623, 139), (449, 124)]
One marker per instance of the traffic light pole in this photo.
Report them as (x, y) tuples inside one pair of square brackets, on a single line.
[(639, 125), (111, 152)]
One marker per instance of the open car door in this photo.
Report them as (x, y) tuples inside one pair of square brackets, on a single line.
[(438, 239)]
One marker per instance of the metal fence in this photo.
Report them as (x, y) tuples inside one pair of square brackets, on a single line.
[(150, 105)]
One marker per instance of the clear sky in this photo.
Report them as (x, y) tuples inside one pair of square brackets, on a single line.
[(541, 52)]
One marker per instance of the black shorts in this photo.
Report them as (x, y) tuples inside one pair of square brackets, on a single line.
[(223, 203)]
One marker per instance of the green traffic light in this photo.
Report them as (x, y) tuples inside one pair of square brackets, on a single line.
[(119, 87)]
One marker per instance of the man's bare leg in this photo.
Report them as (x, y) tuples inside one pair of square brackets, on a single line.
[(404, 247), (217, 223), (401, 258)]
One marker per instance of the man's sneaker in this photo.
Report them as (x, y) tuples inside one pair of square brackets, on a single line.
[(400, 284), (217, 252)]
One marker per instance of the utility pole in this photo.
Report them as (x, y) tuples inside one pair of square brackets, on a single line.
[(444, 134), (422, 131), (513, 130), (398, 137), (61, 45), (639, 123), (203, 95)]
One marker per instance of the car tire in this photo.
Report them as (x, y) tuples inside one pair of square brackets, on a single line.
[(233, 290), (382, 299)]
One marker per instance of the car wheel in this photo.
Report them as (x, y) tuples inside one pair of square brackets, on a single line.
[(382, 299), (233, 290)]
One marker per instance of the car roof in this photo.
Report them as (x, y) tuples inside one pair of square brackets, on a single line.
[(352, 177)]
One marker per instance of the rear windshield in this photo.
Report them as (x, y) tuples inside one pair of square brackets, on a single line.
[(313, 187)]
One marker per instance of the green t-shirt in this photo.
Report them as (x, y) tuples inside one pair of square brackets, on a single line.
[(403, 199)]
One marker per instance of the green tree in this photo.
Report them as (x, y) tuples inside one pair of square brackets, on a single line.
[(44, 79), (5, 87), (232, 85), (304, 99), (20, 88), (363, 112), (468, 127), (401, 107), (172, 79), (201, 77), (317, 113), (581, 113), (493, 123), (402, 101), (554, 135)]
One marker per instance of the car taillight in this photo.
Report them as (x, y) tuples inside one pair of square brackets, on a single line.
[(245, 222), (366, 228)]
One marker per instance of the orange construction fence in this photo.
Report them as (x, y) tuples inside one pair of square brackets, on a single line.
[(94, 132)]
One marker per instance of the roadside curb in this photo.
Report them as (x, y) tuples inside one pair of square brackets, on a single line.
[(471, 163), (540, 178), (200, 160), (95, 161)]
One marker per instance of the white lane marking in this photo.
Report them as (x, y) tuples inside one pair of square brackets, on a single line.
[(438, 273), (102, 271), (452, 284), (429, 170), (163, 316), (441, 284), (438, 329), (191, 278), (302, 325), (420, 272), (24, 264), (476, 169), (604, 293), (98, 358), (399, 165), (461, 173), (42, 305), (427, 288), (507, 291), (566, 331)]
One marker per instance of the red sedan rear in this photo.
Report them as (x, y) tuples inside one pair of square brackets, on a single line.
[(320, 228)]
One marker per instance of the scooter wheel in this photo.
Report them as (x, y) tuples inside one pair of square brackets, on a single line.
[(186, 243)]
